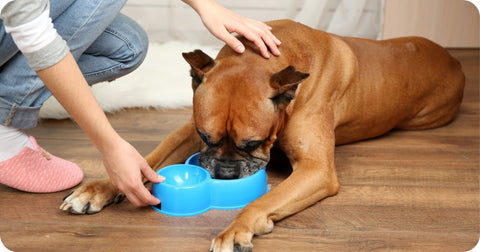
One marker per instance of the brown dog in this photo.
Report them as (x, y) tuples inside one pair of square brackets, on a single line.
[(243, 105)]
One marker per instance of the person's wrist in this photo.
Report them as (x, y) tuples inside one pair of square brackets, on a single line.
[(108, 141), (202, 6)]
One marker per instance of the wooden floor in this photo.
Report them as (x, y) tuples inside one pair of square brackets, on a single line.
[(415, 190)]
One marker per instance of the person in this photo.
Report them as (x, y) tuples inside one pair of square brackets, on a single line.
[(61, 47)]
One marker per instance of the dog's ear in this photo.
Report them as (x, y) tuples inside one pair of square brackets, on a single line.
[(200, 64), (285, 84)]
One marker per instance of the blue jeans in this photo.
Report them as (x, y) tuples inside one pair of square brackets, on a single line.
[(105, 43)]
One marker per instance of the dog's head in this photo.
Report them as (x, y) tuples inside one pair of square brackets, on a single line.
[(238, 110)]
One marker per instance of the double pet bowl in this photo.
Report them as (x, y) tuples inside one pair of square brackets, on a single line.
[(189, 189)]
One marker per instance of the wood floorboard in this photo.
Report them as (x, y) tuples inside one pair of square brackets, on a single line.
[(405, 191)]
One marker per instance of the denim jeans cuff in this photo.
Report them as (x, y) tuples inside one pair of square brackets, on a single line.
[(15, 116)]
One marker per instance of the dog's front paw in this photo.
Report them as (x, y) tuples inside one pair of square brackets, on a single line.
[(91, 197), (233, 239), (238, 236)]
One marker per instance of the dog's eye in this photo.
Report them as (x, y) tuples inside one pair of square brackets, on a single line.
[(249, 146), (207, 139)]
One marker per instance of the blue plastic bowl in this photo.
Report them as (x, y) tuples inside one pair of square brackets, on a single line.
[(189, 190)]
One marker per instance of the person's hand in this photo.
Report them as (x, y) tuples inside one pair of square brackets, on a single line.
[(222, 22), (125, 166)]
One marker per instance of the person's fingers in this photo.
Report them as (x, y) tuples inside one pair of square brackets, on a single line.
[(140, 196), (260, 43), (135, 191), (272, 42), (146, 198), (262, 47), (230, 40), (260, 34), (151, 175)]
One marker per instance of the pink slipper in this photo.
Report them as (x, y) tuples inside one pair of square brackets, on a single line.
[(36, 170)]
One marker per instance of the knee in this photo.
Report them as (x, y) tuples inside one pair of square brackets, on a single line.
[(136, 40), (113, 4)]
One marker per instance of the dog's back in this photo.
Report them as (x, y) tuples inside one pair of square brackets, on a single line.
[(410, 82), (405, 83)]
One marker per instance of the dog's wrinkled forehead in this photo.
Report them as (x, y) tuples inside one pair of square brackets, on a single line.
[(233, 112), (232, 89)]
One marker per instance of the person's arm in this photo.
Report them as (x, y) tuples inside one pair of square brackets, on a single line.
[(221, 22), (123, 163), (47, 53)]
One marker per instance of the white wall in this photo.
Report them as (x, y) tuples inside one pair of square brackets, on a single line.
[(451, 23), (165, 20)]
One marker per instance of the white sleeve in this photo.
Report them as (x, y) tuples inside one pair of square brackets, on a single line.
[(35, 34), (32, 30)]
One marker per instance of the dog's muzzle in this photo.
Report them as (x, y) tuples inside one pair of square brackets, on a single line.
[(230, 169)]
